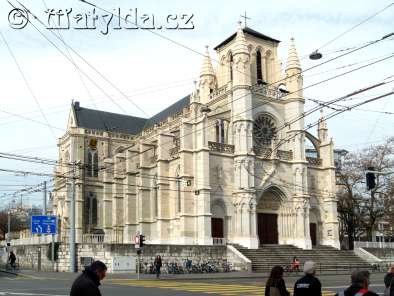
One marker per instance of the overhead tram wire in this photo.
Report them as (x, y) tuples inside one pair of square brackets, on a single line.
[(89, 64), (373, 42), (201, 54), (32, 120), (302, 116), (27, 84), (355, 26), (86, 75)]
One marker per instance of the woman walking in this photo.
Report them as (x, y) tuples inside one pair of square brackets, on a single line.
[(157, 265), (275, 285), (389, 282)]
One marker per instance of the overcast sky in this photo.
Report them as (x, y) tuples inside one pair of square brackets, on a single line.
[(154, 72)]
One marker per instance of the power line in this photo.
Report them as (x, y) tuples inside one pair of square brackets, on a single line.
[(27, 84), (355, 26)]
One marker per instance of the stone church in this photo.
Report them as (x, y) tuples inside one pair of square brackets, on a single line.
[(227, 164)]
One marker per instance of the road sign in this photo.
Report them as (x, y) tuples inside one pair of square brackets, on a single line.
[(43, 224)]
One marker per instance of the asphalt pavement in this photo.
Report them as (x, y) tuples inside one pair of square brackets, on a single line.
[(229, 284)]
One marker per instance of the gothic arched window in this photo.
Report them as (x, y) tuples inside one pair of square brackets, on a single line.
[(178, 190), (259, 74), (220, 131), (231, 66), (91, 210), (92, 166)]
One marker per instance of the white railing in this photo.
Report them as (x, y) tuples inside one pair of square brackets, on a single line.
[(219, 241), (93, 238), (34, 240), (375, 245)]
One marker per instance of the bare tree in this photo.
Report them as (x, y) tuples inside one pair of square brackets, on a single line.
[(360, 210)]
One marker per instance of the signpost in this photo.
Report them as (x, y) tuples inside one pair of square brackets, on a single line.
[(45, 225)]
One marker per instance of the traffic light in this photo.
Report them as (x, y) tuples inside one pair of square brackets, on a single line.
[(142, 239), (370, 178)]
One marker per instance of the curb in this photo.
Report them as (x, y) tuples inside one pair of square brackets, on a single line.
[(9, 272)]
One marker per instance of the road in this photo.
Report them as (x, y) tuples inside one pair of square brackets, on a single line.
[(58, 284)]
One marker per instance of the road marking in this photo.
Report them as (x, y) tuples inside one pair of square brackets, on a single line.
[(206, 288), (29, 294)]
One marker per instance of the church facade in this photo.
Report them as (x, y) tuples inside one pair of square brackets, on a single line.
[(225, 164)]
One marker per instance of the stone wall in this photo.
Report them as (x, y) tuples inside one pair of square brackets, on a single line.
[(28, 255)]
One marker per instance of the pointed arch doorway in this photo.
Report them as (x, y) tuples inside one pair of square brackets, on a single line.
[(267, 216)]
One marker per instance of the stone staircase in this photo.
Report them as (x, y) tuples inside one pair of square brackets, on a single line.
[(326, 258)]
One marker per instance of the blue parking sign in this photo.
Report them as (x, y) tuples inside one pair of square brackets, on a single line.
[(43, 224)]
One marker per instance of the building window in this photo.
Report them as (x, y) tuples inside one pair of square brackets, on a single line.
[(231, 66), (220, 131), (156, 196), (92, 166), (91, 210), (259, 73)]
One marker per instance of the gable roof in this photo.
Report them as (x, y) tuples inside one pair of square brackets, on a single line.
[(171, 110), (114, 122), (249, 31), (107, 121)]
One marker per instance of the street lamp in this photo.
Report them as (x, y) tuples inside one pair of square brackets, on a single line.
[(315, 55)]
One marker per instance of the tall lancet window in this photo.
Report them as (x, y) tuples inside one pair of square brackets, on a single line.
[(259, 74), (155, 186), (220, 131), (178, 190), (91, 210), (231, 66), (92, 166)]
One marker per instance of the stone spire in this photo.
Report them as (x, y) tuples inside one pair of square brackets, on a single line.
[(293, 61), (322, 128), (206, 68), (240, 44)]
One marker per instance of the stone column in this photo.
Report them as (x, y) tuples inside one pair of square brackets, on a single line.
[(107, 197)]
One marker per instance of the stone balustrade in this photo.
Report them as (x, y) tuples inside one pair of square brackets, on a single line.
[(267, 153), (314, 161), (220, 147), (218, 92), (269, 92)]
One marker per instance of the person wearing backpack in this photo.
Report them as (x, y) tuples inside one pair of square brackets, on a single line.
[(359, 286), (275, 285), (389, 282)]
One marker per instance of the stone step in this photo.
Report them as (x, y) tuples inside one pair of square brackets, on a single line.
[(326, 258)]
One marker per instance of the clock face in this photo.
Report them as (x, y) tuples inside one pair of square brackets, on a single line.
[(263, 130)]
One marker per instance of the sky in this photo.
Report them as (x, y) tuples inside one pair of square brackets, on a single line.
[(144, 72)]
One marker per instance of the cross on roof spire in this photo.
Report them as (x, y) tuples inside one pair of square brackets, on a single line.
[(245, 18)]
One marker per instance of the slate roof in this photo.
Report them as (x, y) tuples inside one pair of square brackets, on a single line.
[(249, 31), (107, 121), (113, 122), (171, 110)]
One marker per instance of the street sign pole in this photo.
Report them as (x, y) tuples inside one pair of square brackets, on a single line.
[(44, 210), (53, 252), (72, 222)]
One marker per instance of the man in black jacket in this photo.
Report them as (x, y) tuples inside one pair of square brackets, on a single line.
[(88, 282), (308, 285), (359, 286)]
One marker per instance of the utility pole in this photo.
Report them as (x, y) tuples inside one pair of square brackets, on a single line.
[(72, 221), (44, 210)]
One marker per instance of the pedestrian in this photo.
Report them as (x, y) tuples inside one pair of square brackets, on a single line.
[(157, 265), (12, 259), (359, 285), (389, 282), (295, 264), (88, 282), (275, 285), (308, 285)]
